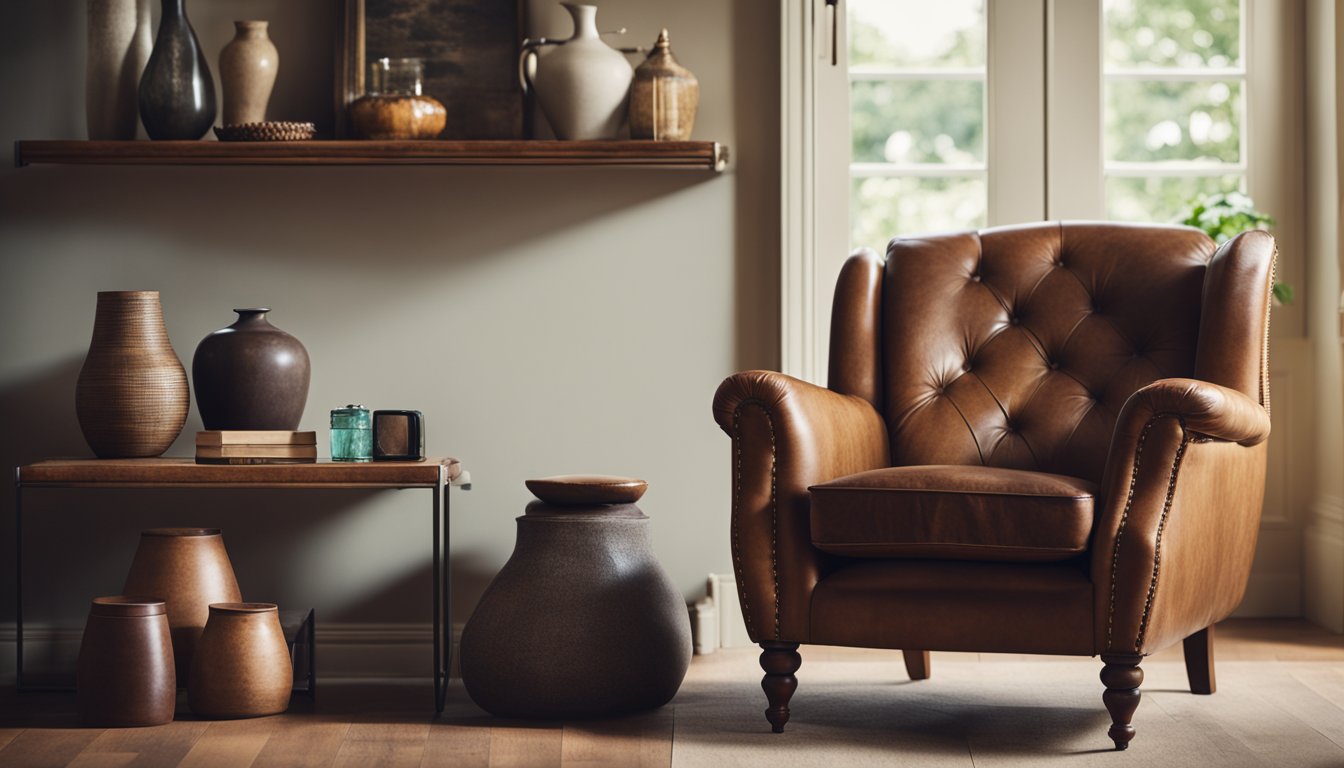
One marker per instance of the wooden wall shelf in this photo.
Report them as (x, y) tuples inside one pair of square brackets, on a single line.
[(693, 155)]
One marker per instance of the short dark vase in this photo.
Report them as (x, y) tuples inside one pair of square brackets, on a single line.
[(582, 621), (177, 92), (126, 674), (251, 375)]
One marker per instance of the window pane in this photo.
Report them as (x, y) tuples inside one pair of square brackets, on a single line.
[(1162, 199), (919, 121), (881, 208), (1150, 121), (1172, 33), (920, 34)]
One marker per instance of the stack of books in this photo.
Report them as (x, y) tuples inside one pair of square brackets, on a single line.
[(256, 447)]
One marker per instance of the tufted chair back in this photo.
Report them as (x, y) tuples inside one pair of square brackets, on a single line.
[(1016, 347)]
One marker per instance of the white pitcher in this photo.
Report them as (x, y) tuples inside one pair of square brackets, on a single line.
[(583, 85)]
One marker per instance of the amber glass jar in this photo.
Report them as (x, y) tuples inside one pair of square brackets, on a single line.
[(395, 106)]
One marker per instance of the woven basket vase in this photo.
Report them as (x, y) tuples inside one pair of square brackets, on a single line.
[(132, 396)]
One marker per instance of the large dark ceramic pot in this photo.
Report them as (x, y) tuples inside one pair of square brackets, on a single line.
[(126, 672), (582, 621), (251, 375), (131, 398)]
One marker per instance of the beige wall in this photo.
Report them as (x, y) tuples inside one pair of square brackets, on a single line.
[(545, 320)]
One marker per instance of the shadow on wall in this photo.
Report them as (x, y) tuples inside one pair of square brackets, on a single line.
[(39, 416), (405, 219), (756, 223)]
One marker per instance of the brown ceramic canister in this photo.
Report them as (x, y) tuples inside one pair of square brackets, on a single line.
[(189, 569), (241, 667), (125, 675)]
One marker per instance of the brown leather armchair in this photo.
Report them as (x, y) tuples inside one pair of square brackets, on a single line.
[(1035, 439)]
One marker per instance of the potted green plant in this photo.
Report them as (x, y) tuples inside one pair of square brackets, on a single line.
[(1224, 215)]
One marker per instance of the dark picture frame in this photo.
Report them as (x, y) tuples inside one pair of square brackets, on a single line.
[(470, 50)]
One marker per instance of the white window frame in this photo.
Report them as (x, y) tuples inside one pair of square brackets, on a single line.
[(1042, 164)]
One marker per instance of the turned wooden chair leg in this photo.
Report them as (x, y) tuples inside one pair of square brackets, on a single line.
[(1199, 661), (917, 664), (1122, 678), (780, 661)]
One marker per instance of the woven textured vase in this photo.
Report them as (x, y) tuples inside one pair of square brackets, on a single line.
[(132, 396), (241, 667), (189, 569), (125, 675)]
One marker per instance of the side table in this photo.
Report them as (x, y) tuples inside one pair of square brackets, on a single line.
[(433, 474)]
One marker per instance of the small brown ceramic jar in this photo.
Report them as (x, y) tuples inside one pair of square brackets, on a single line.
[(125, 675), (241, 667), (188, 569)]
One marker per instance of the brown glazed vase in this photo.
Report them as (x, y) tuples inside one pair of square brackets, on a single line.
[(131, 398), (663, 97), (189, 569), (582, 621), (242, 666), (125, 675), (251, 375)]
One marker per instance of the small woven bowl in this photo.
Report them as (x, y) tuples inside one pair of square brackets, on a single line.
[(270, 130)]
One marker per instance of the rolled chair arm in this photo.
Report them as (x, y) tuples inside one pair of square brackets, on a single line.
[(1180, 510), (787, 435), (1205, 408)]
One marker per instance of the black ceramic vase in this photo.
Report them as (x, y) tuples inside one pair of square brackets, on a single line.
[(250, 375), (177, 92)]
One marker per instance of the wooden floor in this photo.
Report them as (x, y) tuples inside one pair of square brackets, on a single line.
[(1280, 703)]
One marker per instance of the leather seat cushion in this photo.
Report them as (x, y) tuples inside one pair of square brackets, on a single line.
[(954, 512)]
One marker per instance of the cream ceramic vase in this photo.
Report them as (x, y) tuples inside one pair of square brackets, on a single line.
[(583, 85), (248, 65), (118, 47)]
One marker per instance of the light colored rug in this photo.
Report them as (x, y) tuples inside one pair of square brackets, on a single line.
[(858, 711)]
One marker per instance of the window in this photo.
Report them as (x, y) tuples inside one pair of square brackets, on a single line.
[(917, 117), (955, 114), (921, 78), (1175, 101)]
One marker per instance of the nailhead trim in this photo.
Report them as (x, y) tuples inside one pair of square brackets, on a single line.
[(774, 512), (1120, 533), (1161, 524)]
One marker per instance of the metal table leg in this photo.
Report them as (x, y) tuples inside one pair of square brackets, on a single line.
[(18, 577), (447, 631), (440, 684)]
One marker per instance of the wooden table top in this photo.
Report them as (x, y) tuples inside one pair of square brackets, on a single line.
[(186, 473)]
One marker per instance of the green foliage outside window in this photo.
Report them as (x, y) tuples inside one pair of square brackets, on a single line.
[(1224, 216)]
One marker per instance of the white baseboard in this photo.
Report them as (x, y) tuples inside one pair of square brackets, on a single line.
[(344, 651), (716, 621), (1323, 553)]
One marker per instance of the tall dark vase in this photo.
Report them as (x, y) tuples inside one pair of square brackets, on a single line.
[(251, 375), (177, 93), (131, 398)]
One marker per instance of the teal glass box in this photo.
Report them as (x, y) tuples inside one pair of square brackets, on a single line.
[(351, 434)]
